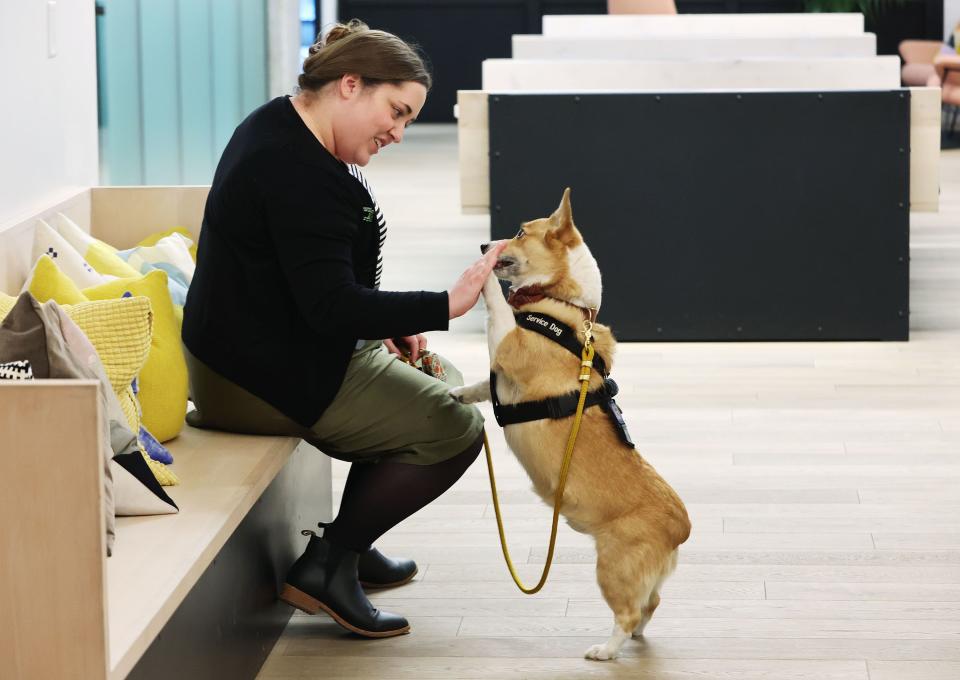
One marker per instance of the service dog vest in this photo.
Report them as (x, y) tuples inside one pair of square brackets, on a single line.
[(566, 405)]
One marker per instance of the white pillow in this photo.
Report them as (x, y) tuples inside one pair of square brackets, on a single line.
[(171, 253), (132, 498), (72, 233), (46, 241)]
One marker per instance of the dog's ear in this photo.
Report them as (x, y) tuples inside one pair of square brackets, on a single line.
[(561, 221), (563, 215)]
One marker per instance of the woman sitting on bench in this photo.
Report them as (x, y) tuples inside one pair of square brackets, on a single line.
[(284, 324)]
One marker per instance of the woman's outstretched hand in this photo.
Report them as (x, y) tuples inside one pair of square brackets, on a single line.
[(465, 292), (411, 345)]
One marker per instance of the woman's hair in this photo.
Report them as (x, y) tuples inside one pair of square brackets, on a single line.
[(378, 56)]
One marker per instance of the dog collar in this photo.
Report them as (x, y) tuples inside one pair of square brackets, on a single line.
[(524, 296), (519, 297)]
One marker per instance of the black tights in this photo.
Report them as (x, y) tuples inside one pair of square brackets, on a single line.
[(378, 496)]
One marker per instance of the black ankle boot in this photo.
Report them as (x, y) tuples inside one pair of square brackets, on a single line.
[(376, 570), (325, 577)]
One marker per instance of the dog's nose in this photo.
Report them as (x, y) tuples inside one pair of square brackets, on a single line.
[(484, 247)]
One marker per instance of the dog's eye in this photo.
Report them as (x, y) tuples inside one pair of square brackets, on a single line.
[(521, 234)]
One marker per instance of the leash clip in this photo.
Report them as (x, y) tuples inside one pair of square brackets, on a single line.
[(587, 361), (587, 356), (587, 332)]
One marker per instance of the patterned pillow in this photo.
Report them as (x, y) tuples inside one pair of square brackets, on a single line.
[(16, 370)]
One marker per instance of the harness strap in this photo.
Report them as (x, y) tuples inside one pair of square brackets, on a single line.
[(552, 407), (559, 332)]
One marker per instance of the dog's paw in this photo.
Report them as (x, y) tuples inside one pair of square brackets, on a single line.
[(471, 394), (600, 653)]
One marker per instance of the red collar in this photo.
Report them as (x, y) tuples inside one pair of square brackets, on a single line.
[(524, 296)]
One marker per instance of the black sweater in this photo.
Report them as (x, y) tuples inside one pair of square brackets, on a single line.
[(285, 269)]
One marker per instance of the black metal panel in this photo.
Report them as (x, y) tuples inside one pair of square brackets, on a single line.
[(722, 216), (231, 619)]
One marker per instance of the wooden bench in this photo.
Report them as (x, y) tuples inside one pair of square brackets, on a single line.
[(609, 25), (684, 48), (544, 75), (191, 595)]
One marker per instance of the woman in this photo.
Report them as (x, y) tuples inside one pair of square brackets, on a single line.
[(284, 319)]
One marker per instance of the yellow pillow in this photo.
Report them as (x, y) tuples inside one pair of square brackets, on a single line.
[(6, 304), (163, 380), (152, 239), (48, 282), (121, 335)]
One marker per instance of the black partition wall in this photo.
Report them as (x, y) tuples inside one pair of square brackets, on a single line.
[(722, 216)]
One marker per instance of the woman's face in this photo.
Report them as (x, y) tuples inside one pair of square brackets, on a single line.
[(372, 117)]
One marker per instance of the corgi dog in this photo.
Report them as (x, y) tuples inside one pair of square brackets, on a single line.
[(636, 519)]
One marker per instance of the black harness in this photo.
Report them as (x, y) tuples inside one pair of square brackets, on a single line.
[(565, 405)]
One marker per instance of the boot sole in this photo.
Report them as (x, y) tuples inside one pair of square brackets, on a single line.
[(305, 603), (367, 584)]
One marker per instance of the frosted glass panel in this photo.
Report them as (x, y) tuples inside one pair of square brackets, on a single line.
[(176, 77)]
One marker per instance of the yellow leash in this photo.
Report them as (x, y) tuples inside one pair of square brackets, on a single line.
[(585, 366)]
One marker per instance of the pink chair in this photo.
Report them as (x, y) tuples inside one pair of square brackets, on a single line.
[(641, 7), (918, 56), (947, 76)]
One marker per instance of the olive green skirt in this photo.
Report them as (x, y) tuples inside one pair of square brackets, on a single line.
[(383, 409)]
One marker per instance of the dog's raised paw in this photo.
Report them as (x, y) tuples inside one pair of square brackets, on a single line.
[(458, 393), (600, 653)]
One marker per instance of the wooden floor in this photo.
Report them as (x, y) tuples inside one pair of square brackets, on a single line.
[(823, 481)]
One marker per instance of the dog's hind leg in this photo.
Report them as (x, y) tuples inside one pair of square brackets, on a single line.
[(626, 584), (653, 601), (647, 613)]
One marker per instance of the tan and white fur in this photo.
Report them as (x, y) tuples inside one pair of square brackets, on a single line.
[(612, 493)]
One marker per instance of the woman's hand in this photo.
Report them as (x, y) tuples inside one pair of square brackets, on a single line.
[(465, 292), (413, 344)]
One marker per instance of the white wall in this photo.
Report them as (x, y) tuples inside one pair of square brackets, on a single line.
[(48, 105), (951, 15), (283, 20)]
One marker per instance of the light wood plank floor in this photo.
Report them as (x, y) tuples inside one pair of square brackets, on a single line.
[(823, 480)]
